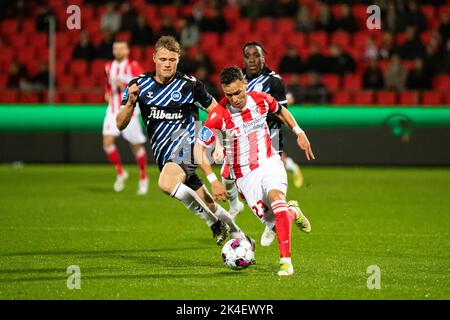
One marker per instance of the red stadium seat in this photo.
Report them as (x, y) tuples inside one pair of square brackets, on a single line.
[(331, 81), (9, 26), (231, 15), (209, 40), (264, 25), (387, 98), (65, 82), (431, 98), (123, 36), (352, 82), (78, 67), (168, 11), (298, 40), (441, 82), (9, 96), (73, 97), (28, 26), (341, 97), (94, 97), (363, 97), (87, 81), (319, 37), (243, 25), (231, 39), (341, 38), (429, 12), (29, 97), (447, 99), (3, 80), (284, 26), (409, 98)]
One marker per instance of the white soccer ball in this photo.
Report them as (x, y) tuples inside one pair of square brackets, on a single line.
[(238, 254)]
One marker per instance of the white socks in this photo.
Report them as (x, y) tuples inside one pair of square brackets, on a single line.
[(225, 217), (192, 202), (232, 192), (290, 165)]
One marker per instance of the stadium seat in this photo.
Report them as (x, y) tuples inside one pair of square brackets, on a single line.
[(123, 36), (3, 80), (231, 39), (243, 26), (429, 12), (29, 97), (431, 98), (8, 96), (409, 98), (298, 40), (94, 97), (231, 15), (441, 82), (168, 11), (77, 67), (65, 82), (9, 26), (447, 99), (264, 25), (87, 81), (319, 37), (351, 82), (331, 81), (341, 38), (209, 40), (284, 26), (363, 98), (341, 97), (386, 98), (73, 97)]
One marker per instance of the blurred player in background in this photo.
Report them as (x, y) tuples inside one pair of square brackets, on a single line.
[(251, 160), (118, 73), (169, 103)]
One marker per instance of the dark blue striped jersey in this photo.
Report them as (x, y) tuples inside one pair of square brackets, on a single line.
[(269, 82), (170, 112)]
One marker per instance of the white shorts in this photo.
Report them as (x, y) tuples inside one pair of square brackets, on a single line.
[(255, 187), (132, 133)]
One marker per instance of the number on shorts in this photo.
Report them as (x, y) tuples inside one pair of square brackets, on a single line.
[(260, 206)]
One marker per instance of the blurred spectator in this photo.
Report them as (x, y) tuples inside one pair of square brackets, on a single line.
[(432, 56), (316, 60), (290, 62), (315, 92), (373, 76), (84, 49), (104, 50), (295, 89), (286, 8), (42, 19), (187, 65), (444, 59), (202, 60), (142, 33), (202, 74), (415, 17), (387, 46), (198, 13), (371, 49), (413, 47), (167, 29), (252, 9), (392, 20), (347, 21), (304, 21), (40, 80), (339, 62), (214, 23), (325, 19), (111, 19), (444, 28), (189, 34), (395, 74), (418, 78), (17, 76), (128, 21)]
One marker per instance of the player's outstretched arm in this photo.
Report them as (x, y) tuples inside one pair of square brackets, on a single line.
[(126, 111), (218, 189), (302, 140)]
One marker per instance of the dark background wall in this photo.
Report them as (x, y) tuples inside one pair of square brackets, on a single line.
[(427, 146)]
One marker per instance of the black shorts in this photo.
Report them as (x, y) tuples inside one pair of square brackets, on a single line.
[(193, 181)]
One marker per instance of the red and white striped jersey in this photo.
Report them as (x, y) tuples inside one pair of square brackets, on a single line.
[(247, 137), (123, 72)]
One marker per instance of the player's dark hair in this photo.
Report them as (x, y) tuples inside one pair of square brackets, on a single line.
[(231, 74), (253, 43)]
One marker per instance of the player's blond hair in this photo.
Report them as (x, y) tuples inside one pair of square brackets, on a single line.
[(169, 43)]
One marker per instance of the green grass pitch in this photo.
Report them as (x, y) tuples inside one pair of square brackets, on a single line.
[(131, 247)]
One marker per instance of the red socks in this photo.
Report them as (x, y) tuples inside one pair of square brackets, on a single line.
[(283, 222), (141, 161), (113, 155)]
